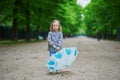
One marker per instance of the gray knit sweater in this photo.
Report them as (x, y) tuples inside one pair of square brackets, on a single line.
[(54, 38)]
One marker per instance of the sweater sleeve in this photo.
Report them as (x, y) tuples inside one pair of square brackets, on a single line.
[(49, 39), (60, 39)]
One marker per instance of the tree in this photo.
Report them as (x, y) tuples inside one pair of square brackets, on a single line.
[(34, 17), (104, 17)]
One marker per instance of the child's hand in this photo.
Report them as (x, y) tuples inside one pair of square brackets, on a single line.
[(58, 48), (54, 46)]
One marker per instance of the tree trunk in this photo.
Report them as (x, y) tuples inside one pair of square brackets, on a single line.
[(111, 34), (118, 32), (15, 20), (37, 32), (27, 14)]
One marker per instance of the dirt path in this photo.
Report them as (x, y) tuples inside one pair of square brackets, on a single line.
[(95, 61)]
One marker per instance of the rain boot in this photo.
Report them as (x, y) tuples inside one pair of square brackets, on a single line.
[(58, 71), (51, 71)]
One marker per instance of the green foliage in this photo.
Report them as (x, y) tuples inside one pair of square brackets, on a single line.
[(102, 15), (42, 12), (70, 17)]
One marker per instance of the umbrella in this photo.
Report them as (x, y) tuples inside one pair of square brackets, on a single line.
[(62, 58)]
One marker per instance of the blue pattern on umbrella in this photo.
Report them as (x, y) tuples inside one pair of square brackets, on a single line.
[(68, 51), (59, 55), (51, 62), (75, 53), (52, 68)]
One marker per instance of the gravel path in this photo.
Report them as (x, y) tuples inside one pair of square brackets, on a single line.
[(95, 61)]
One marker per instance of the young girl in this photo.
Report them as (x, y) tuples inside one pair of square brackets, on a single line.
[(55, 38)]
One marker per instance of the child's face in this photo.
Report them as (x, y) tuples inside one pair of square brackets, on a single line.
[(55, 26)]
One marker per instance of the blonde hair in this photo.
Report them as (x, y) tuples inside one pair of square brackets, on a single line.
[(51, 26)]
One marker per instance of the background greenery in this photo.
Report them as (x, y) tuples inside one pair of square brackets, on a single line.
[(27, 19), (103, 16)]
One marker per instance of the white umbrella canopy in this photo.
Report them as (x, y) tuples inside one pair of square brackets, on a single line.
[(62, 58)]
